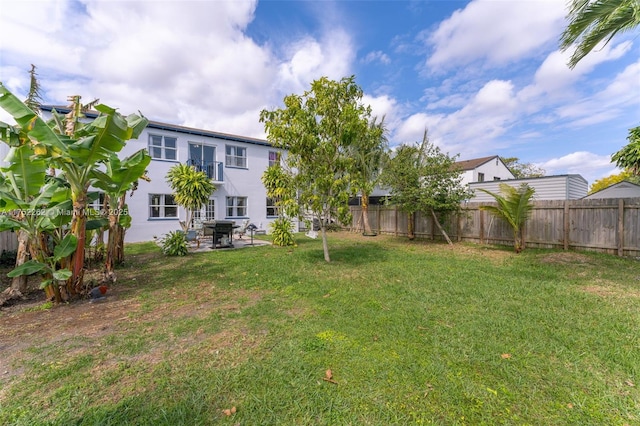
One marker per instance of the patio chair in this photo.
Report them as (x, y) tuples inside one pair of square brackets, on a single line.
[(242, 229)]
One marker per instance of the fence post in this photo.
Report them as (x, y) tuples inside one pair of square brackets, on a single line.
[(566, 225), (481, 226), (458, 226), (396, 218), (621, 227), (377, 218)]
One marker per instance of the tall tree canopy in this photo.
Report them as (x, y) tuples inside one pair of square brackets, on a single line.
[(628, 158), (522, 170), (318, 128), (595, 21), (421, 178)]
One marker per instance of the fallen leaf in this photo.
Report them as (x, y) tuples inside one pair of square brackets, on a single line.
[(233, 410), (505, 356), (629, 383), (329, 374), (226, 412), (569, 405)]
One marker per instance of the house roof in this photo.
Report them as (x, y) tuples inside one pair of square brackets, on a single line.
[(625, 184), (173, 127), (473, 163)]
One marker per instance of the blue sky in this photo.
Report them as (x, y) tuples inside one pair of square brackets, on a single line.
[(484, 77)]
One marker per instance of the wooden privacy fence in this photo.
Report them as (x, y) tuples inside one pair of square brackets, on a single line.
[(606, 225), (8, 241)]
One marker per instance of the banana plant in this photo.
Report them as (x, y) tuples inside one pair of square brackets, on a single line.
[(31, 207), (76, 149), (118, 178), (53, 275)]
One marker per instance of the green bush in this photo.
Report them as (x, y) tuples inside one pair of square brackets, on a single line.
[(175, 244), (281, 231)]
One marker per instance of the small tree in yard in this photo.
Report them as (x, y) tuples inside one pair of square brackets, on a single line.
[(514, 206), (421, 178), (318, 128), (191, 189)]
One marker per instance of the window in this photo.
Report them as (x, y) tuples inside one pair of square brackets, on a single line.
[(163, 147), (162, 206), (272, 209), (209, 212), (480, 177), (496, 178), (236, 206), (274, 158), (236, 156)]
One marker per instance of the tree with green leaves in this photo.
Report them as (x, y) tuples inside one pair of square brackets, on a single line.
[(317, 129), (594, 21), (522, 170), (279, 186), (628, 158), (369, 153), (514, 206), (74, 147), (605, 182), (191, 189), (421, 178)]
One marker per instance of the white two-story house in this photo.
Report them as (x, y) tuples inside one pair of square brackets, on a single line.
[(483, 169), (234, 163)]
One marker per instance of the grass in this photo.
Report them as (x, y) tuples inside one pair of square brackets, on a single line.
[(414, 333)]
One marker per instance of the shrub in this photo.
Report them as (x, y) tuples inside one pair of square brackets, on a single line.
[(175, 244), (281, 231), (8, 258)]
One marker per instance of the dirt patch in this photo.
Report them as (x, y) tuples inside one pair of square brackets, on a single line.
[(610, 290), (565, 258)]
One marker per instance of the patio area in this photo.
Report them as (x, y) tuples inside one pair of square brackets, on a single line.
[(238, 243)]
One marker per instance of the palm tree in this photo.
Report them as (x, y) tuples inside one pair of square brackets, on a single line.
[(191, 189), (592, 21), (368, 154), (514, 206)]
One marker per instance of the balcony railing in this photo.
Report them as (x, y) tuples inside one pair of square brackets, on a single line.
[(213, 169)]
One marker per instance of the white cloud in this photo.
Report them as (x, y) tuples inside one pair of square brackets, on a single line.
[(591, 166), (497, 32), (378, 56)]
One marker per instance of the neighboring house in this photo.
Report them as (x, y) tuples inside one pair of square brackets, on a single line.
[(234, 163), (624, 189), (560, 187), (483, 169)]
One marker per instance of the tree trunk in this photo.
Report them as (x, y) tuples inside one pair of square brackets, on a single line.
[(365, 214), (18, 287), (325, 245), (411, 226), (112, 248), (78, 228), (437, 222)]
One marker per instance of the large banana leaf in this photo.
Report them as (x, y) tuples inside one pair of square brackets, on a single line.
[(37, 130), (120, 175), (26, 174)]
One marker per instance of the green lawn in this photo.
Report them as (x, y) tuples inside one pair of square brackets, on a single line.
[(414, 333)]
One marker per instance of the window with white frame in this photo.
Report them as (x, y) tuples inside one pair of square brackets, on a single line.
[(272, 209), (163, 147), (480, 177), (236, 156), (206, 214), (236, 206), (162, 206), (274, 158)]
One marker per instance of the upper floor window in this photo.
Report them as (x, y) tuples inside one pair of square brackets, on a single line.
[(163, 147), (272, 209), (236, 156), (162, 206), (496, 178), (274, 158), (480, 177), (236, 206)]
